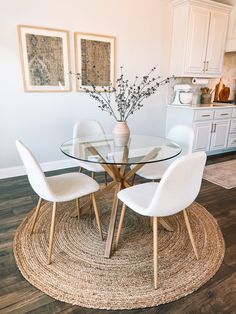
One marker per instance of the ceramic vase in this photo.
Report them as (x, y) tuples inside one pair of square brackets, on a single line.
[(121, 133)]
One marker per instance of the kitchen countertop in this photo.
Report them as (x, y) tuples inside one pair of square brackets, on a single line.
[(204, 106)]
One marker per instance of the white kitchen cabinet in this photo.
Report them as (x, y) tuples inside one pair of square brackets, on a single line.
[(231, 36), (216, 42), (202, 136), (220, 132), (233, 126), (232, 131), (234, 113), (198, 38), (214, 127), (232, 141)]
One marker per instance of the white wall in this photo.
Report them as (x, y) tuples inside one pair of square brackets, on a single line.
[(44, 120)]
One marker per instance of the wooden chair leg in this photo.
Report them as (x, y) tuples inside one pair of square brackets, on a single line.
[(105, 174), (78, 207), (133, 179), (93, 175), (155, 250), (120, 225), (91, 205), (190, 233), (151, 222), (97, 214), (52, 229), (35, 215)]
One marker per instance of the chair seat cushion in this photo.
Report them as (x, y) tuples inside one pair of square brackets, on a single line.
[(91, 166), (156, 170), (69, 186), (153, 171), (138, 197)]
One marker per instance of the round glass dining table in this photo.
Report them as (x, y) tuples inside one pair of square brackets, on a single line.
[(116, 155)]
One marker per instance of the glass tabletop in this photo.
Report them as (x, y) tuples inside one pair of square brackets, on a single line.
[(107, 149)]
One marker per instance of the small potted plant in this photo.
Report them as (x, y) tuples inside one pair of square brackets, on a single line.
[(206, 95)]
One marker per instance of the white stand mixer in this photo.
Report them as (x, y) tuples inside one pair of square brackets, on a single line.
[(183, 94)]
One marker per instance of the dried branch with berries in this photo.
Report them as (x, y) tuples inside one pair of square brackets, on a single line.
[(128, 96)]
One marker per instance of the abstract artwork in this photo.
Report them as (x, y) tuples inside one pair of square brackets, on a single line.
[(95, 60), (45, 60)]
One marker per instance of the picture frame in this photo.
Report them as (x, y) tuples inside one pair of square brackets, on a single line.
[(44, 54), (94, 60)]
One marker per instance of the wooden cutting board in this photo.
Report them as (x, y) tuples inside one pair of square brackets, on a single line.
[(218, 88), (224, 93)]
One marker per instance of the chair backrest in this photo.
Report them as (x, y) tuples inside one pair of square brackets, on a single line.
[(179, 185), (184, 136), (87, 128), (35, 174)]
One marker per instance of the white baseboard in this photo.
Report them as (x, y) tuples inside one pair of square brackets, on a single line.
[(46, 166)]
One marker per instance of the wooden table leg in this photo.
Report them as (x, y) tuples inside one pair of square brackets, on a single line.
[(166, 225), (112, 223), (121, 181)]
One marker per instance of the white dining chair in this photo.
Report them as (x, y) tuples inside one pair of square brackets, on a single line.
[(59, 188), (177, 190), (180, 134), (86, 128)]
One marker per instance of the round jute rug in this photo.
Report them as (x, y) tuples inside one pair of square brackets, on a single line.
[(79, 274)]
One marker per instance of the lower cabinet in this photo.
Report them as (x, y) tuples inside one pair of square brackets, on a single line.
[(211, 135), (214, 128), (219, 135), (232, 140), (202, 133)]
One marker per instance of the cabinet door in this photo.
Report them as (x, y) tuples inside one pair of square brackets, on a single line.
[(231, 36), (220, 134), (232, 140), (199, 20), (216, 42), (233, 126), (202, 136)]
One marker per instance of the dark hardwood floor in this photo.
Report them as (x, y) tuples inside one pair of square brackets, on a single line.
[(17, 296)]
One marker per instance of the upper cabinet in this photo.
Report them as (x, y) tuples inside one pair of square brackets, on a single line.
[(198, 37), (231, 37)]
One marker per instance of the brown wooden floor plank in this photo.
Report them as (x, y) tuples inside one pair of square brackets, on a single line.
[(23, 300), (217, 296)]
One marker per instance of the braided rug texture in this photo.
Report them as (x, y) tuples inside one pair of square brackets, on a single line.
[(79, 274)]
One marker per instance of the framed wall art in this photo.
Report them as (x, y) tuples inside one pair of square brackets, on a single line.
[(45, 59), (95, 60)]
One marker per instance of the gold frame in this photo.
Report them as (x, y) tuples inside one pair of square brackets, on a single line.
[(110, 39), (24, 63)]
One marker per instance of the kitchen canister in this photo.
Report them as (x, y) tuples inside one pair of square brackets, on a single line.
[(205, 98)]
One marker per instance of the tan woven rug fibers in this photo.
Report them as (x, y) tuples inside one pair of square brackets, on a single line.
[(223, 174), (79, 274)]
